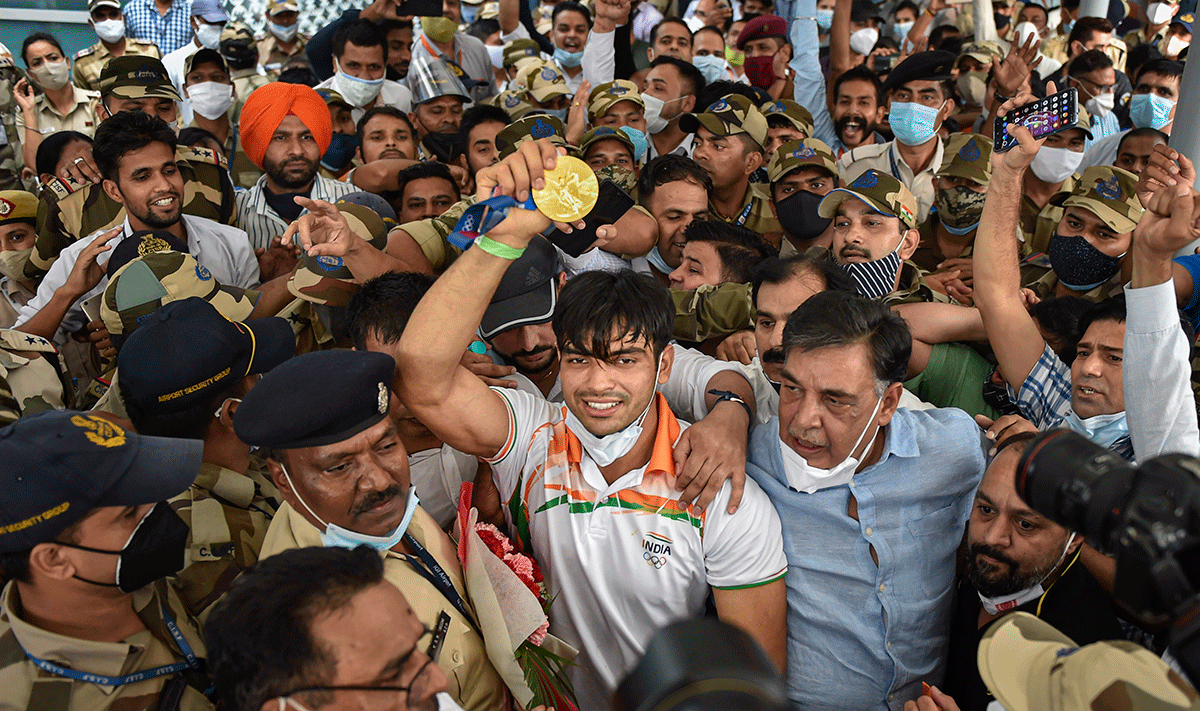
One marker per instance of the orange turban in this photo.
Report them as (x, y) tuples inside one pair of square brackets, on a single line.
[(268, 105)]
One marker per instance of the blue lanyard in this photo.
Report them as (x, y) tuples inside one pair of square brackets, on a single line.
[(437, 577), (741, 220), (892, 159), (102, 680)]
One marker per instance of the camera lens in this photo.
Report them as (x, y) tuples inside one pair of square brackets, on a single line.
[(1075, 482)]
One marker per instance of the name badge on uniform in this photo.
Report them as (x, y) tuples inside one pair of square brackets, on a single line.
[(439, 635)]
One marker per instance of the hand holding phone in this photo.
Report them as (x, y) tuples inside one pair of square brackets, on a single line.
[(1054, 114)]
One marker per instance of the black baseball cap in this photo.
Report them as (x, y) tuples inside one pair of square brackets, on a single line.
[(316, 399), (527, 292), (186, 350), (58, 466)]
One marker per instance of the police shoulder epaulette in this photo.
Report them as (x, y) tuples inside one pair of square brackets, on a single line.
[(85, 52)]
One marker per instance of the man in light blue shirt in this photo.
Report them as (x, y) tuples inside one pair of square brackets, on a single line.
[(874, 500)]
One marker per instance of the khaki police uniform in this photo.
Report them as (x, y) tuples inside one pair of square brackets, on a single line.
[(27, 687), (1039, 223), (89, 63), (913, 289), (81, 117), (228, 514), (473, 680), (885, 158), (1056, 48), (756, 214), (272, 56), (30, 364)]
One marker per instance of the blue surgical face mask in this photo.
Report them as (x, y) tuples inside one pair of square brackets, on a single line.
[(1150, 111), (1067, 26), (568, 59), (1103, 430), (334, 536), (711, 66), (641, 143), (340, 152), (824, 19), (284, 33), (560, 114), (469, 12), (656, 260), (900, 30), (913, 124)]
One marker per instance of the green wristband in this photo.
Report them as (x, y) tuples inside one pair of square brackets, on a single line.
[(497, 249)]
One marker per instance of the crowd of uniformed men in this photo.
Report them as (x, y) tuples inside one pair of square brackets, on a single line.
[(251, 350)]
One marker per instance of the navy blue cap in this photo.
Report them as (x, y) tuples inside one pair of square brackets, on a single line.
[(58, 466), (141, 243), (186, 350), (527, 292), (316, 399), (925, 66)]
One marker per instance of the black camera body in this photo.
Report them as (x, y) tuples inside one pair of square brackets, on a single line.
[(1147, 517)]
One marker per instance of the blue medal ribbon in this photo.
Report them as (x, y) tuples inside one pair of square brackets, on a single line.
[(484, 216), (103, 680)]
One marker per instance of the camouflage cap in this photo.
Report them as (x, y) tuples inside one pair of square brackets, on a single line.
[(967, 155), (881, 191), (137, 289), (526, 67), (1107, 192), (489, 11), (531, 127), (136, 77), (18, 206), (274, 7), (546, 85), (1030, 666), (201, 56), (795, 154), (514, 103), (327, 280), (729, 116), (237, 31), (519, 49), (605, 96), (795, 114), (332, 98), (604, 133), (982, 51)]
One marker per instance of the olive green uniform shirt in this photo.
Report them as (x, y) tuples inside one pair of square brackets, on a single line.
[(1039, 223), (228, 514), (30, 364), (90, 62), (272, 56), (24, 686), (755, 213)]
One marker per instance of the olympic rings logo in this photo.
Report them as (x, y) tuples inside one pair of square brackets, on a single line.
[(656, 561)]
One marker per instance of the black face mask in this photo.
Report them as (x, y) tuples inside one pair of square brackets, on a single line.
[(441, 145), (798, 215), (155, 550), (1001, 20)]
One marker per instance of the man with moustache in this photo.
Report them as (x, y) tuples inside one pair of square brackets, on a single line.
[(1018, 561), (285, 129)]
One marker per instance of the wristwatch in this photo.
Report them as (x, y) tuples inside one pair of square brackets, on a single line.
[(723, 395)]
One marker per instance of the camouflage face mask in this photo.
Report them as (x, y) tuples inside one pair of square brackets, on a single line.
[(959, 208), (623, 177)]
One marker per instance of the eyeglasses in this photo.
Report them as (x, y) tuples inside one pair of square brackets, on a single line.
[(362, 697)]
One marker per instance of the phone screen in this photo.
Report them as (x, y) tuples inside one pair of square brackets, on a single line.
[(1053, 114)]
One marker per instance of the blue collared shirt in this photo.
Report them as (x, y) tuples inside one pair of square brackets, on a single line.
[(862, 636), (170, 31)]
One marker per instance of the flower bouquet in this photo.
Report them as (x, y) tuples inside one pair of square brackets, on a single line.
[(511, 602)]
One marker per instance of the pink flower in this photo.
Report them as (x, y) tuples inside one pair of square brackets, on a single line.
[(523, 566), (496, 541), (539, 635)]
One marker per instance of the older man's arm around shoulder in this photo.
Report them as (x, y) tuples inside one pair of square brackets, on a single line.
[(743, 554)]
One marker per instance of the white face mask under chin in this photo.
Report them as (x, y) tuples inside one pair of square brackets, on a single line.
[(1004, 603), (609, 448), (804, 477), (445, 702)]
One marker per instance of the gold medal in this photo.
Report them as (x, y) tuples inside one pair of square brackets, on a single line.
[(571, 191)]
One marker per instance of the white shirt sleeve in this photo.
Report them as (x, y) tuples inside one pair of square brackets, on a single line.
[(745, 549), (687, 384), (1159, 404), (809, 82), (526, 416), (56, 276), (519, 33), (599, 58)]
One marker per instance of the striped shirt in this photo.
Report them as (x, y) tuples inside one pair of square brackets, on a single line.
[(170, 31), (623, 559), (262, 223)]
